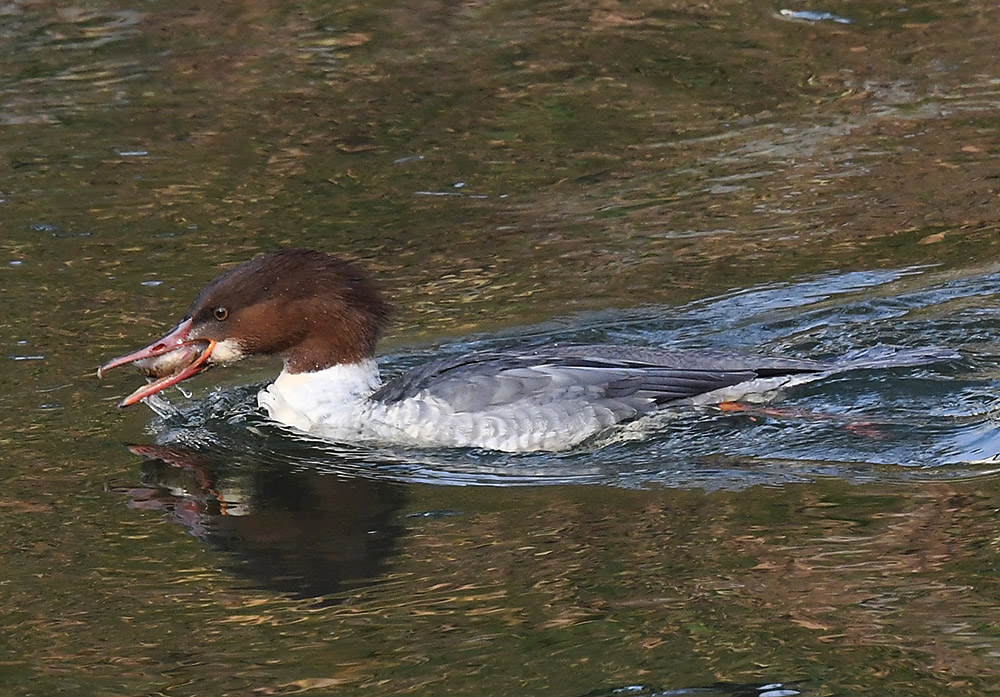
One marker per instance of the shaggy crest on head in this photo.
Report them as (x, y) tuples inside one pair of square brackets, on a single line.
[(310, 308)]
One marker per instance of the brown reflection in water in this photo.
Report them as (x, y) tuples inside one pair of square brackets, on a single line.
[(854, 587), (649, 152), (914, 578), (301, 532)]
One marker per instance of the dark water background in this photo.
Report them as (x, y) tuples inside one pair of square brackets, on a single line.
[(794, 179)]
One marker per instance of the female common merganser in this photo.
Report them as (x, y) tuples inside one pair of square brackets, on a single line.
[(323, 316)]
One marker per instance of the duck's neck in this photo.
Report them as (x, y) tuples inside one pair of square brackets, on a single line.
[(300, 399)]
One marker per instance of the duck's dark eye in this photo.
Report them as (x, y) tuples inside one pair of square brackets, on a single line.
[(220, 313)]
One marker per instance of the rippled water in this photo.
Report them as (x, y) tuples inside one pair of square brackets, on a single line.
[(804, 180), (936, 420)]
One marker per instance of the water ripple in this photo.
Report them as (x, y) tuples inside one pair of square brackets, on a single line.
[(927, 422)]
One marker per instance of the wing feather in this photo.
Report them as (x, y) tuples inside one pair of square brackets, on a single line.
[(637, 378)]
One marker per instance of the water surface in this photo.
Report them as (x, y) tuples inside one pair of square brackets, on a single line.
[(765, 177)]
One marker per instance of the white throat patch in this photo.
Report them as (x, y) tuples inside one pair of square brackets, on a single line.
[(227, 351)]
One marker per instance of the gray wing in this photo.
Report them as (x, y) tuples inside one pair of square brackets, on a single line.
[(635, 378)]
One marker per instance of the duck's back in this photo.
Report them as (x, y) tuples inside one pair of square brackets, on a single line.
[(553, 398)]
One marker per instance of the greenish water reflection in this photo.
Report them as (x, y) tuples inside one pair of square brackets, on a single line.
[(609, 155)]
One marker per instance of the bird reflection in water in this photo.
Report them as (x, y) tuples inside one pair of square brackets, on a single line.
[(298, 531)]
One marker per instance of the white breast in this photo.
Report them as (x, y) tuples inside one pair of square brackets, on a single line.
[(332, 398)]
